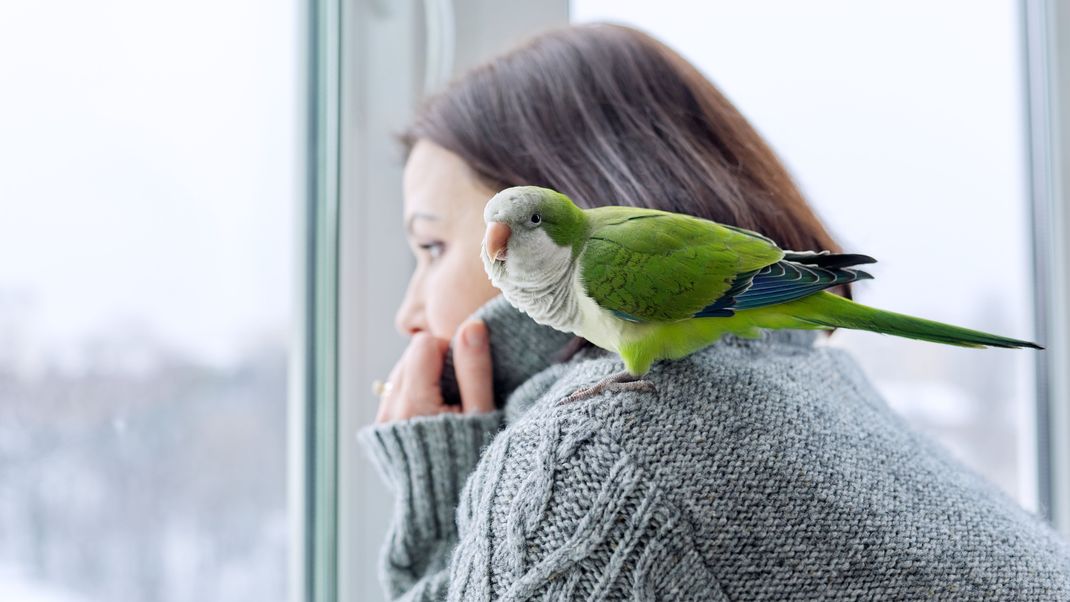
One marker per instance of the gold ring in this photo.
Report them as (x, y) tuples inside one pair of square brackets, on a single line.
[(380, 388)]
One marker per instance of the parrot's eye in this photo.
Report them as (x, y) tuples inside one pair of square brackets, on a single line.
[(536, 218)]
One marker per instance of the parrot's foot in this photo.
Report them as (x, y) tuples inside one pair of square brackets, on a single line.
[(621, 381)]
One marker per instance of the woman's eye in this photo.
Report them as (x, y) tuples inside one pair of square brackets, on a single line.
[(433, 249), (536, 218)]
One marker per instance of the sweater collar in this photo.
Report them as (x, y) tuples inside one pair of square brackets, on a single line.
[(521, 347)]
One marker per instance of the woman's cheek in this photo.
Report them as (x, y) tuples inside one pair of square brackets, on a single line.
[(434, 305), (445, 309), (456, 287)]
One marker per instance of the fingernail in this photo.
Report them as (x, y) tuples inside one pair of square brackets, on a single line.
[(475, 336)]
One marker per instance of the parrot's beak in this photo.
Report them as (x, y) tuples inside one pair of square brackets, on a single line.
[(496, 240)]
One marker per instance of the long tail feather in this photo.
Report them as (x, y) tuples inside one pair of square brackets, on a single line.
[(826, 310), (826, 259)]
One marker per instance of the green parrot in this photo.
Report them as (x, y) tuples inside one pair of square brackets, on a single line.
[(651, 285)]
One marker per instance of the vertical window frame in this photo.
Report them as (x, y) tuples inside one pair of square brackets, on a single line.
[(314, 371), (1046, 38)]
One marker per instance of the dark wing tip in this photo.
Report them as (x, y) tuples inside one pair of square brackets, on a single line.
[(827, 259)]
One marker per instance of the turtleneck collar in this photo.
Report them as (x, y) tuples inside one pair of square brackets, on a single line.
[(521, 348)]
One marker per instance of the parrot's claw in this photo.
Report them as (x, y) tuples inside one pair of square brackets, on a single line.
[(621, 381)]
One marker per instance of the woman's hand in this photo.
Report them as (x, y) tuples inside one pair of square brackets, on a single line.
[(414, 381)]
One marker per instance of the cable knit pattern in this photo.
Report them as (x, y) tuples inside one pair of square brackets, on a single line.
[(764, 469)]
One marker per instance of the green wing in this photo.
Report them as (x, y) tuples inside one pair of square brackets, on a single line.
[(654, 266)]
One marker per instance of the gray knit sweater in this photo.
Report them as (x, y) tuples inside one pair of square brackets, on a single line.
[(761, 469)]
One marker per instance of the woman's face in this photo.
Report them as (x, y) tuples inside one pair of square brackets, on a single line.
[(444, 224)]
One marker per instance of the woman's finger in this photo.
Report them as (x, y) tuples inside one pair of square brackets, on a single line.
[(472, 363), (425, 362), (388, 401), (420, 392), (394, 380)]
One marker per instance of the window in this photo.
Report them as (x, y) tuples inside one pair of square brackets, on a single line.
[(913, 153), (150, 176)]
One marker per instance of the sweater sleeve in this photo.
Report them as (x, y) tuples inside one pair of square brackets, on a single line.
[(557, 510), (425, 461)]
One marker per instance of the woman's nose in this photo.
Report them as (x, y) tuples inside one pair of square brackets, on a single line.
[(409, 319)]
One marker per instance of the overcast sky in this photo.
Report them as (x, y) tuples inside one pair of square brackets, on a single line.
[(147, 170)]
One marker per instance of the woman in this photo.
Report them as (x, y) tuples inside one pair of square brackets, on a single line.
[(757, 469)]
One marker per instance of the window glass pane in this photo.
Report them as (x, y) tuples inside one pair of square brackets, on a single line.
[(148, 180), (903, 124)]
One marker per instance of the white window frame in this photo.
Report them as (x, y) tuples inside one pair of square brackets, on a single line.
[(1047, 55)]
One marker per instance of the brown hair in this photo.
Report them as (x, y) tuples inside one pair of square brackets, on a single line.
[(608, 115)]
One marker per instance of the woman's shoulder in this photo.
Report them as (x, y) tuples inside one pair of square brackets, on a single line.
[(737, 402), (778, 370)]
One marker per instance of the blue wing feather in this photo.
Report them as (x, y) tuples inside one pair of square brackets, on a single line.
[(785, 281)]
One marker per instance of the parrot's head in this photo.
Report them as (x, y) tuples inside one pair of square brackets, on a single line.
[(532, 236)]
